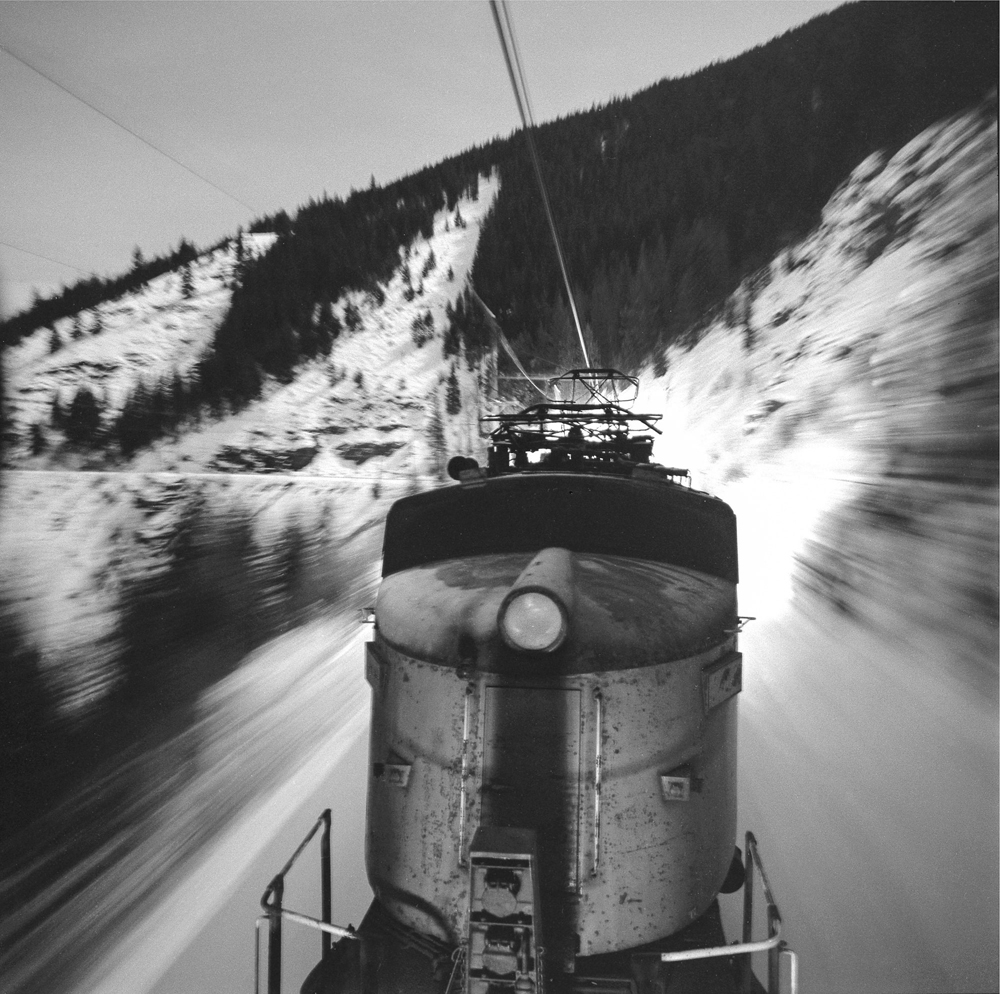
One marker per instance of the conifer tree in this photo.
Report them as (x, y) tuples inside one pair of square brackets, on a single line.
[(39, 442), (187, 283), (435, 436), (55, 342), (352, 316), (429, 265), (133, 428), (453, 396), (327, 327), (84, 418)]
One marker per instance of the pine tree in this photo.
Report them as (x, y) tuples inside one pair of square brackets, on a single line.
[(77, 331), (187, 283), (453, 395), (39, 442), (178, 399), (452, 340), (435, 436), (84, 418), (327, 327), (429, 265), (55, 342), (133, 428), (352, 316)]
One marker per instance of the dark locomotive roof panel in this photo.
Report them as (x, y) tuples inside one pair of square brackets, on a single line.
[(625, 613), (646, 519)]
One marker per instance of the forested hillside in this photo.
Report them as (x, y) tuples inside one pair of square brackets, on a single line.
[(665, 200)]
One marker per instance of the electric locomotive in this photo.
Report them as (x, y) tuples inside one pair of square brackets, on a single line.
[(552, 770)]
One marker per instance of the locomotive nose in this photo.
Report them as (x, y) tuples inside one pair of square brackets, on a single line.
[(534, 615)]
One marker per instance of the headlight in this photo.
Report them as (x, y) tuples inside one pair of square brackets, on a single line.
[(533, 622)]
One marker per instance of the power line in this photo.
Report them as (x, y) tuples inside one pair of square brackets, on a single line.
[(128, 130), (37, 255), (519, 84)]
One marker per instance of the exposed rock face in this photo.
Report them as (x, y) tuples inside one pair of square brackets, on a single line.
[(361, 452), (261, 459)]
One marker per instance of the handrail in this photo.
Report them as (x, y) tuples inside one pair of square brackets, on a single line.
[(271, 903), (773, 945), (456, 980), (737, 948), (462, 803), (598, 778)]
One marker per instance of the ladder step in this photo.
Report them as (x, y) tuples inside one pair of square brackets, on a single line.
[(600, 985)]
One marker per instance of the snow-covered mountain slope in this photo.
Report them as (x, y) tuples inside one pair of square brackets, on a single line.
[(844, 402), (147, 336), (845, 405), (348, 434), (846, 398), (366, 406)]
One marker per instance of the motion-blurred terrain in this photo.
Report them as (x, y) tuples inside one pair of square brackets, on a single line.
[(845, 404), (844, 400)]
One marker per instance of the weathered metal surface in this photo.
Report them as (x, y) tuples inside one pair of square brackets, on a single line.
[(661, 863), (624, 613), (531, 772), (573, 744)]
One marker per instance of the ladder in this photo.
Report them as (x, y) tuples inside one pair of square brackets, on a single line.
[(504, 949)]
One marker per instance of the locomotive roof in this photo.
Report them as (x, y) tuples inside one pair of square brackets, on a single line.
[(642, 516)]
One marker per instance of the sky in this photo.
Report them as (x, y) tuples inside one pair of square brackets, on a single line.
[(256, 107)]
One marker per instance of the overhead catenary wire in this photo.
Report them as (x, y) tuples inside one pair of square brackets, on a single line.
[(46, 258), (508, 43), (127, 130), (504, 343)]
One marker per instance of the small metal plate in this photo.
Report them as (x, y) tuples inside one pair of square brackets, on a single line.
[(675, 788), (721, 680), (396, 775)]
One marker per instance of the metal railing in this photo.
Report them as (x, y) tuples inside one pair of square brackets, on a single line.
[(782, 963), (275, 912), (457, 978)]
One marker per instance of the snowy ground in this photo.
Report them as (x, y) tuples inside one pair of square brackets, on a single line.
[(847, 411), (363, 410), (78, 531), (844, 403)]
